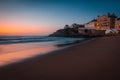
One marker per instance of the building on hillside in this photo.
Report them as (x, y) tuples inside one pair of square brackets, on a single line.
[(117, 23), (92, 24), (106, 21), (91, 32), (74, 25)]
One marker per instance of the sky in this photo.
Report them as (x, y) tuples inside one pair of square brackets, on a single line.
[(42, 17)]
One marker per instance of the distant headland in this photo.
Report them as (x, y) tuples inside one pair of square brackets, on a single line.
[(104, 25)]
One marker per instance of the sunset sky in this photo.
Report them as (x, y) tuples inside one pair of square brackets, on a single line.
[(42, 17)]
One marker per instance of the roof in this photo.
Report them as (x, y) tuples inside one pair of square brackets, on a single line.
[(91, 21), (118, 18)]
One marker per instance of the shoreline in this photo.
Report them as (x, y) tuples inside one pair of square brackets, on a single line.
[(61, 46), (96, 59)]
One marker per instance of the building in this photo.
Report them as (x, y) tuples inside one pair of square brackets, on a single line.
[(74, 25), (93, 24), (91, 32), (117, 23), (106, 21)]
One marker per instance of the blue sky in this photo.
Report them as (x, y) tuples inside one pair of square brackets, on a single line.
[(54, 14)]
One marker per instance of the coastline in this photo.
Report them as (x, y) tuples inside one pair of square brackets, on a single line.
[(59, 46), (92, 60)]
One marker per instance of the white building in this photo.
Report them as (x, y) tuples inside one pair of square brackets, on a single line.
[(92, 24)]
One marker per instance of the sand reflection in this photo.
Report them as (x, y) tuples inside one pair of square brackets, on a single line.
[(13, 53)]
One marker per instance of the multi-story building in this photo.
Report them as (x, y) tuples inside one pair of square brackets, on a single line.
[(117, 23), (106, 21), (92, 24)]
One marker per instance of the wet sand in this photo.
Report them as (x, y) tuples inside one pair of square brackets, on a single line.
[(98, 59)]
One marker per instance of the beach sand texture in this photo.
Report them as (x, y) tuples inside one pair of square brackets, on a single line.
[(97, 59)]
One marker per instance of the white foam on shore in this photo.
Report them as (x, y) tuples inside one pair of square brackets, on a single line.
[(11, 53)]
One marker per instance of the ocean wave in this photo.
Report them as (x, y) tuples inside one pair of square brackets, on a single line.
[(25, 39)]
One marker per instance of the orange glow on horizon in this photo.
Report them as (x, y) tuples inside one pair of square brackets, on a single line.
[(23, 30), (9, 26)]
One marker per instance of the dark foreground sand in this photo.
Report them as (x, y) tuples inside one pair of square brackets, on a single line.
[(98, 59)]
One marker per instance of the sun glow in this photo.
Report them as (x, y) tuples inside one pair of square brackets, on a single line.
[(23, 25), (22, 31), (23, 28)]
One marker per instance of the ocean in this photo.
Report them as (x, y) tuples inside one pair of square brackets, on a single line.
[(18, 48)]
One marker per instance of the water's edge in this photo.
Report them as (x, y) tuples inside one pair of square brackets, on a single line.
[(66, 46)]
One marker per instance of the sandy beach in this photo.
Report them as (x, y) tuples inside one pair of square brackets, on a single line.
[(97, 59)]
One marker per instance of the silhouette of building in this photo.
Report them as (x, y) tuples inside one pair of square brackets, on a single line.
[(76, 26)]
